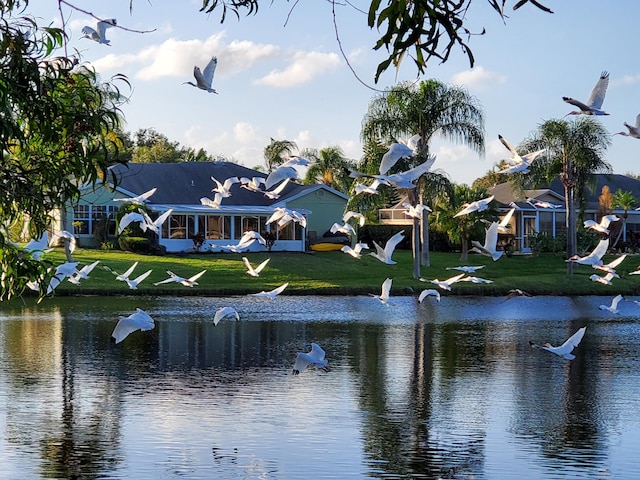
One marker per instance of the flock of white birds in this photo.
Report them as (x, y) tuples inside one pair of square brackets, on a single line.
[(275, 182)]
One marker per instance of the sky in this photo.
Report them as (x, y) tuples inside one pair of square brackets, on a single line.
[(281, 73)]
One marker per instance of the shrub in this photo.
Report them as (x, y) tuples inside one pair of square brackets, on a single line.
[(135, 244)]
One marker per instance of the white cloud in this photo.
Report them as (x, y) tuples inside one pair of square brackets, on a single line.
[(460, 163), (626, 81), (304, 68), (173, 57), (478, 78)]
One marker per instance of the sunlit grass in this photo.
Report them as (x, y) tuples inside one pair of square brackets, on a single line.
[(331, 273)]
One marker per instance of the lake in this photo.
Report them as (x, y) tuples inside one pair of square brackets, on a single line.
[(432, 390)]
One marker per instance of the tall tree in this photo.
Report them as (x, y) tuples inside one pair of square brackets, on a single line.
[(55, 136), (276, 151), (428, 109), (575, 151), (626, 201), (330, 167)]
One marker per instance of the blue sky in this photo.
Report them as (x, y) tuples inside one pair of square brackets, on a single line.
[(281, 74)]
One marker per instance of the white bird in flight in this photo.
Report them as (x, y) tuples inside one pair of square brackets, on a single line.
[(566, 348), (370, 189), (595, 257), (272, 293), (140, 320), (429, 292), (223, 312), (274, 193), (518, 163), (357, 248), (254, 272), (606, 280), (345, 228), (503, 226), (204, 78), (402, 179), (613, 308), (224, 189), (415, 211), (144, 220), (594, 104), (98, 34), (315, 358), (473, 279), (611, 266), (36, 247), (446, 284), (384, 254), (285, 171), (633, 130), (124, 277), (139, 199), (247, 239), (466, 268), (284, 215), (83, 273), (603, 226), (63, 271), (396, 152), (358, 216), (384, 294), (187, 282), (477, 206), (490, 243), (70, 237), (542, 204)]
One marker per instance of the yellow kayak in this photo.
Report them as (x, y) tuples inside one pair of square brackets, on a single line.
[(326, 247)]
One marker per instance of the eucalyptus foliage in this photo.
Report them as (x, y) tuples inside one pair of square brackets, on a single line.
[(57, 123)]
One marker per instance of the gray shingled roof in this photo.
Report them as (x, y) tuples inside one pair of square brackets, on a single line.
[(504, 194), (185, 183)]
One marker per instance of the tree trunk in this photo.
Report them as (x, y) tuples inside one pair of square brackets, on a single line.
[(415, 244), (464, 254), (426, 260), (572, 232)]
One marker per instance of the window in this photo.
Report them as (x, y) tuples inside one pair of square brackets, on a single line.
[(81, 219), (546, 222), (178, 227), (213, 227)]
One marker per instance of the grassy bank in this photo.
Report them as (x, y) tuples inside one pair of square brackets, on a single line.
[(334, 273)]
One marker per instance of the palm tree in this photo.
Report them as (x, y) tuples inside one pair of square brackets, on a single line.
[(461, 229), (428, 109), (275, 152), (626, 201), (330, 167), (575, 151)]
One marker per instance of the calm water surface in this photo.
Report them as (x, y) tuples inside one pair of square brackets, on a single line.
[(449, 390)]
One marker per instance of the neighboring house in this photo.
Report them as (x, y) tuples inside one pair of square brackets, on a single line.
[(180, 187), (529, 219)]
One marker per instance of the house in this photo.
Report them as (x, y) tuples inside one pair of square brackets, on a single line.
[(545, 211), (180, 186), (549, 215)]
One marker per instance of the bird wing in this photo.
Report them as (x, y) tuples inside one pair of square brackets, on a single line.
[(454, 279), (317, 353), (582, 106), (303, 360), (280, 289), (386, 289), (230, 181), (491, 238), (279, 188), (390, 158), (359, 246), (128, 218), (616, 300), (225, 312), (507, 218), (130, 270), (392, 243), (574, 340), (209, 70), (509, 147), (259, 268), (248, 265), (637, 126), (531, 156), (196, 276), (600, 249), (162, 218), (617, 261), (425, 293), (597, 94), (607, 219), (140, 278), (280, 174)]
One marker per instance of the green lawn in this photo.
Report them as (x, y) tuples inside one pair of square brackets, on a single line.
[(331, 273)]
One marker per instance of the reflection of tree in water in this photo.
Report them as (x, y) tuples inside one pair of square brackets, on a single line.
[(400, 437)]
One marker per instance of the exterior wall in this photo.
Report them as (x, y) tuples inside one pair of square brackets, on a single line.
[(326, 209), (95, 202)]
